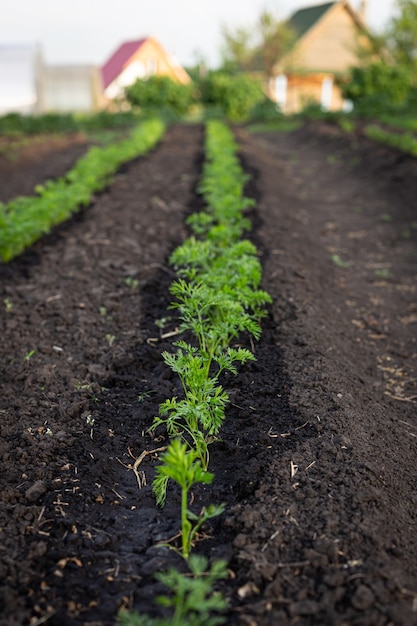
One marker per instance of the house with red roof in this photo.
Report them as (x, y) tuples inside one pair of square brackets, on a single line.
[(138, 59)]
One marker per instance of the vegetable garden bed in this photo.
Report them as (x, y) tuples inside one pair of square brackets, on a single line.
[(317, 460)]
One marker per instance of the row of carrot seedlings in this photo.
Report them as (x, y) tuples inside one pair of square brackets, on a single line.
[(24, 219), (217, 296)]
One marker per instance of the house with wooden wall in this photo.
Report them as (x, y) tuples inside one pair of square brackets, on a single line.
[(326, 45), (138, 59)]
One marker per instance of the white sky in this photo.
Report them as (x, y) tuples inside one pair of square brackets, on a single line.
[(88, 31)]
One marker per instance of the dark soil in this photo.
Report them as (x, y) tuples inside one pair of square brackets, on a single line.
[(27, 162), (317, 464)]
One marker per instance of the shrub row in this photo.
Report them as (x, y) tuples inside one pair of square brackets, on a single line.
[(238, 98), (17, 124), (25, 219)]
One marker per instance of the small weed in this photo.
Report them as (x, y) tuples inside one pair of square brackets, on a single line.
[(110, 339), (162, 322), (386, 217), (89, 388), (103, 311), (357, 209), (332, 159), (83, 386), (8, 304), (141, 397), (29, 355), (41, 431), (90, 421), (414, 225), (406, 233), (339, 262), (383, 274), (133, 283)]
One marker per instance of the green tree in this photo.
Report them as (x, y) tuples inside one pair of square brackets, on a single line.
[(161, 92), (402, 34), (386, 78), (237, 49), (275, 39), (257, 48), (378, 86)]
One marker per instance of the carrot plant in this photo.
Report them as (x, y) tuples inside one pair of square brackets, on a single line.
[(217, 298), (192, 597), (182, 466), (198, 417)]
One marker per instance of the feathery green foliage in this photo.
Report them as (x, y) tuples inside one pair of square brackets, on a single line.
[(193, 597), (183, 467), (217, 298)]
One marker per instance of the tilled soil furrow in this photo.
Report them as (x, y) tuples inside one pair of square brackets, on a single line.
[(42, 159), (316, 462), (73, 319), (342, 543)]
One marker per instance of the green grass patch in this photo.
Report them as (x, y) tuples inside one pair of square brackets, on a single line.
[(406, 142)]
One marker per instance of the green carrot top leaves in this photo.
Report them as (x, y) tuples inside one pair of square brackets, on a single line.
[(182, 466), (217, 299)]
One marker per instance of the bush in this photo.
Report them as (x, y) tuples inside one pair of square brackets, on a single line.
[(266, 111), (235, 96), (17, 124), (161, 93), (378, 87)]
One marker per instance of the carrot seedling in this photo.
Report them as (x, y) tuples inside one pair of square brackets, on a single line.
[(183, 467), (193, 599)]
